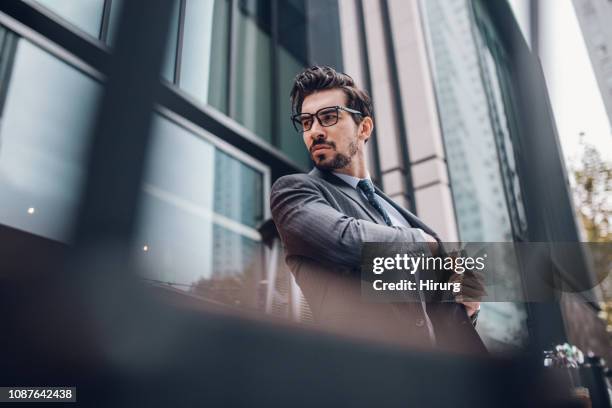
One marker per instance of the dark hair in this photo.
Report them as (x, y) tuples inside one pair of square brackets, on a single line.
[(319, 78)]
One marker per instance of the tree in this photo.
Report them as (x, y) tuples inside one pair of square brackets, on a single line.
[(593, 193), (592, 190)]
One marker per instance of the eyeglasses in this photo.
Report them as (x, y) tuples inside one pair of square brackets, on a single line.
[(302, 122)]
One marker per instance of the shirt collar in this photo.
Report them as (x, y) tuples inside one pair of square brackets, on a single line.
[(350, 180)]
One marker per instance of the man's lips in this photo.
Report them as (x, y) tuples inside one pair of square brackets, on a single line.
[(320, 147)]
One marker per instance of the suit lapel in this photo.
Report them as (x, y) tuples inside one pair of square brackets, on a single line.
[(350, 192), (415, 222), (412, 219), (354, 195)]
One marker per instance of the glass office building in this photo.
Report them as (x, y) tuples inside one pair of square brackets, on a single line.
[(203, 198), (446, 142), (478, 146)]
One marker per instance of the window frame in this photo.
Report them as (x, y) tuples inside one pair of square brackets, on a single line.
[(171, 110)]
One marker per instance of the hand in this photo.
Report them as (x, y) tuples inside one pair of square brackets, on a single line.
[(470, 307), (432, 243), (471, 291)]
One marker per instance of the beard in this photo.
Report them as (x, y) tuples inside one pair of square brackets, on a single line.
[(339, 161)]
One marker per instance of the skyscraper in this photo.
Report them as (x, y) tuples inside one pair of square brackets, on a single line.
[(594, 18)]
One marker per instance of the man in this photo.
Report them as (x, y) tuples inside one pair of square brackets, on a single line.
[(324, 217)]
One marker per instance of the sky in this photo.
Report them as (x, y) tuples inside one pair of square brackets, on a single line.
[(574, 94)]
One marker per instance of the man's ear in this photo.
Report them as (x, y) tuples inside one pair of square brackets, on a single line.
[(366, 127)]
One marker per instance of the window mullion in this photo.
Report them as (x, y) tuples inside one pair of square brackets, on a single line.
[(179, 42), (274, 108), (105, 20)]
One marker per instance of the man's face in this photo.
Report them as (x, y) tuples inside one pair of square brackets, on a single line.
[(332, 147)]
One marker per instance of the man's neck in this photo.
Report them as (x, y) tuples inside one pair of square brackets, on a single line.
[(351, 175), (360, 171)]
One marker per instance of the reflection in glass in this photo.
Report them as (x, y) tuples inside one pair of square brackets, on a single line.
[(85, 14), (171, 42), (470, 126), (504, 142), (198, 212), (238, 190), (253, 87), (478, 191), (205, 47), (237, 271), (292, 59), (113, 21), (43, 135)]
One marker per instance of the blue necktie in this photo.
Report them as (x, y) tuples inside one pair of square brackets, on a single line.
[(367, 187)]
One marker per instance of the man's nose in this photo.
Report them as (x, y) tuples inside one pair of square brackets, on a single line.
[(317, 131)]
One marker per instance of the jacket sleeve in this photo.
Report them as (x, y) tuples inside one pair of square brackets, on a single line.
[(309, 226)]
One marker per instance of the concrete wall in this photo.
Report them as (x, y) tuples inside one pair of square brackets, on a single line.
[(427, 165)]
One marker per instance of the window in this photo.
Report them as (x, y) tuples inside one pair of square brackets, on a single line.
[(236, 57), (44, 131), (262, 69), (252, 97), (466, 131), (204, 69), (168, 67), (474, 128), (292, 58), (85, 14), (502, 124), (197, 225)]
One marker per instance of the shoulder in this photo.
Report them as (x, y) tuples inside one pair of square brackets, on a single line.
[(294, 181), (294, 190)]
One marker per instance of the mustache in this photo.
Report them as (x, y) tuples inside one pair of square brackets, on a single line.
[(322, 142)]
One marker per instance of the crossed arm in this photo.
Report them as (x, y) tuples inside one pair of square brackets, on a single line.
[(309, 226)]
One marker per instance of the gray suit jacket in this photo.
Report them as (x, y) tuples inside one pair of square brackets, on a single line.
[(323, 223)]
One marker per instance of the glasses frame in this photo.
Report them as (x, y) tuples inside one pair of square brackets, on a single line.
[(338, 108)]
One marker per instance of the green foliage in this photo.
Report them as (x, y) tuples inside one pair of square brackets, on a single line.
[(593, 193)]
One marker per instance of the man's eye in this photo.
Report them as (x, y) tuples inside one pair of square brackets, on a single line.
[(328, 117), (306, 122)]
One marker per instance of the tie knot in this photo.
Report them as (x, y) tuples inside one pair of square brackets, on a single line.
[(366, 186)]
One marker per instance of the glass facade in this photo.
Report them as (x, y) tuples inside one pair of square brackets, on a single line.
[(252, 96), (292, 58), (198, 218), (168, 67), (202, 200), (205, 48), (84, 14), (271, 50), (41, 160), (238, 56), (478, 193), (478, 149), (200, 206), (495, 64)]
